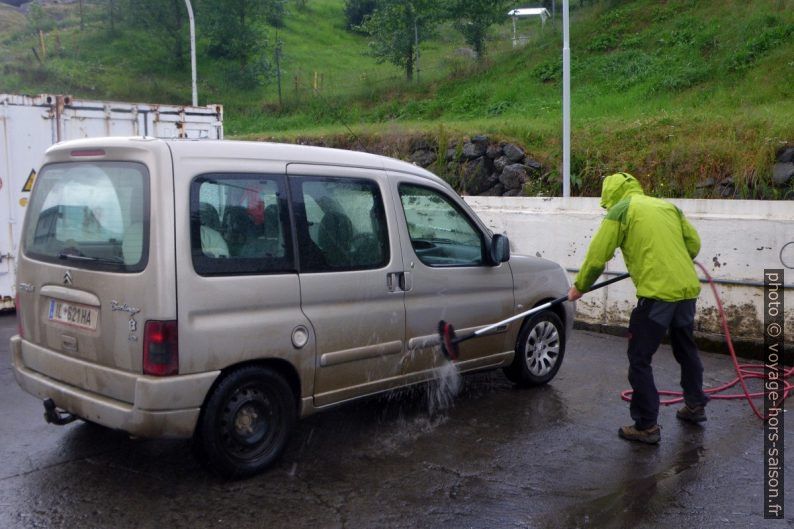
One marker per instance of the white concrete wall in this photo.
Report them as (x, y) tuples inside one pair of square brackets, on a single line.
[(740, 238)]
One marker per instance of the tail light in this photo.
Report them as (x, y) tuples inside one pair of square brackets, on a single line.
[(18, 307), (160, 348)]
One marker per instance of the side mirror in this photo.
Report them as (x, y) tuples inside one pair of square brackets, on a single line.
[(499, 251)]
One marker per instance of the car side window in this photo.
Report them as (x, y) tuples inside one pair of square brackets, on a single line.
[(340, 224), (441, 234), (239, 224)]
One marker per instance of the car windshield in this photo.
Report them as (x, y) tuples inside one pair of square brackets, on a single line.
[(90, 215)]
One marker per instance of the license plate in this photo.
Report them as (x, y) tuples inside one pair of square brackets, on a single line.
[(73, 314)]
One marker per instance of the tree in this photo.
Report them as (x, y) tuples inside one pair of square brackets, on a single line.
[(235, 31), (165, 21), (474, 17), (397, 27), (356, 10), (230, 27)]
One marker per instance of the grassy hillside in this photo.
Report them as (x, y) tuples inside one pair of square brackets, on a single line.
[(676, 91)]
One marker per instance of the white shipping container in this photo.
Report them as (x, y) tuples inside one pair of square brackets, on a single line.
[(30, 125)]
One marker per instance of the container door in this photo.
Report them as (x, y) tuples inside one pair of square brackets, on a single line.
[(444, 249), (27, 129), (351, 278)]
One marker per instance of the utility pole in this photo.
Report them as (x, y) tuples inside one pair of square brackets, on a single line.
[(192, 50), (566, 104)]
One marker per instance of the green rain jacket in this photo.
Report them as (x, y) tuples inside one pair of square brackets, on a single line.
[(657, 242)]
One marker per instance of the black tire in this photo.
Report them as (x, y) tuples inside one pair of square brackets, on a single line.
[(246, 421), (540, 349)]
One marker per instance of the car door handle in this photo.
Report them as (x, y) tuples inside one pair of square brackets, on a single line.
[(399, 281), (405, 281), (392, 281)]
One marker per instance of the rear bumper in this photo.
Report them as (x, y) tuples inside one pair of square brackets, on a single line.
[(141, 405)]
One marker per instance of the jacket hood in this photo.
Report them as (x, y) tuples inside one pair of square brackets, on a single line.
[(618, 186)]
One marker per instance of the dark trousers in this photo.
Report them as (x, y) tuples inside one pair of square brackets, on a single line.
[(649, 322)]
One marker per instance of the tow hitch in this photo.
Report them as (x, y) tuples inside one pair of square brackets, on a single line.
[(53, 416)]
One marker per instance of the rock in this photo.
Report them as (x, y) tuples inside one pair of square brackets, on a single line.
[(708, 182), (500, 163), (727, 191), (473, 150), (495, 191), (493, 151), (726, 187), (476, 175), (513, 152), (782, 172), (532, 163), (421, 144), (512, 193), (480, 138), (451, 153), (702, 192), (423, 158), (786, 156), (513, 176)]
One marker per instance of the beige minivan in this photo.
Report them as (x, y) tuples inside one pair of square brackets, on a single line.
[(219, 290)]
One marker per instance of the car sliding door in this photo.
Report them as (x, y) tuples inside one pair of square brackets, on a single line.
[(350, 270)]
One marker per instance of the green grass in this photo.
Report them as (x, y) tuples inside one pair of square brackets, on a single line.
[(675, 92)]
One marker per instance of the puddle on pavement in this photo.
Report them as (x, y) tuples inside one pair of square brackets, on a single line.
[(636, 499)]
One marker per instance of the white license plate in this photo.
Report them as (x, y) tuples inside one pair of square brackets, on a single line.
[(73, 314)]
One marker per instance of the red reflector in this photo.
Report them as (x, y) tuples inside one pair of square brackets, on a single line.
[(88, 152), (18, 307), (160, 348)]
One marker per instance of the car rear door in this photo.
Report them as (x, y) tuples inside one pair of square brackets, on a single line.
[(444, 249), (97, 261), (350, 266)]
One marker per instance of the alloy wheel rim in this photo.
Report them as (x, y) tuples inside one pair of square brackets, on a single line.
[(542, 348)]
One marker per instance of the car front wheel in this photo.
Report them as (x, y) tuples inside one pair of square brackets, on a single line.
[(246, 421), (539, 350)]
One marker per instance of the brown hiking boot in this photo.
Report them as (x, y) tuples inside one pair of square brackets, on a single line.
[(692, 414), (650, 436)]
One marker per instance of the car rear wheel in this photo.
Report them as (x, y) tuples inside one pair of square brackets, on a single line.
[(539, 350), (246, 421)]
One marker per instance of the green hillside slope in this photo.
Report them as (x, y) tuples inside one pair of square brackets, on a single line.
[(678, 92)]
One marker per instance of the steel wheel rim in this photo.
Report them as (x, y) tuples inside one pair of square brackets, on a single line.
[(542, 348), (249, 422)]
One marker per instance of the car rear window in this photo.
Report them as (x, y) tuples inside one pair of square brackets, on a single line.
[(90, 215)]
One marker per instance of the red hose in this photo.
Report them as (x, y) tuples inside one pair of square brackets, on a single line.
[(743, 371)]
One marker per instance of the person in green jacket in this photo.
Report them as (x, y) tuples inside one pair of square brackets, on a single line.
[(658, 245)]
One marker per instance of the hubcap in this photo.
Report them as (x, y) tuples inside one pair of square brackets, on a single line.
[(542, 348)]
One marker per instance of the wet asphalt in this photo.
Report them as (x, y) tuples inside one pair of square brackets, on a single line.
[(499, 456)]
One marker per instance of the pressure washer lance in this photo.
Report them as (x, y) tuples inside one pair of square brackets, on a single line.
[(449, 340)]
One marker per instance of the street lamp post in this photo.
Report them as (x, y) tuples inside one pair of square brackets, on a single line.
[(192, 50), (566, 104)]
